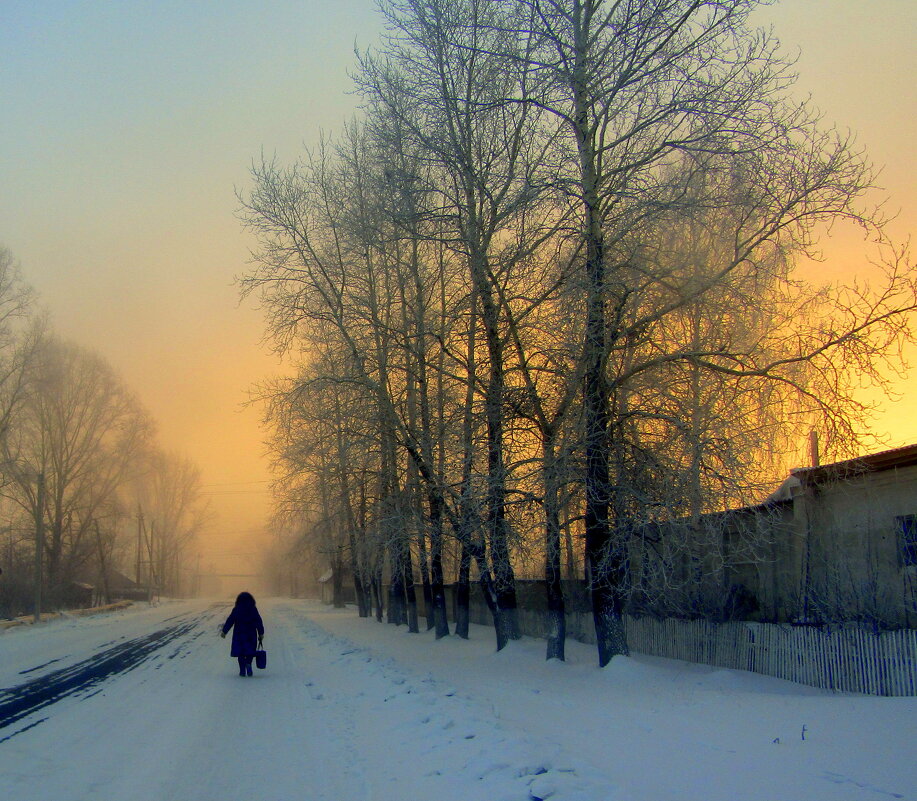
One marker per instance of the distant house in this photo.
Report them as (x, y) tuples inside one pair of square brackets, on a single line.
[(836, 542), (76, 595), (337, 587), (113, 586), (122, 588)]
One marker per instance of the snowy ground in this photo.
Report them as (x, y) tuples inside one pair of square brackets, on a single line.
[(146, 705)]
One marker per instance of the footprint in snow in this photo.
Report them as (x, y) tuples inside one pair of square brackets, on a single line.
[(838, 778)]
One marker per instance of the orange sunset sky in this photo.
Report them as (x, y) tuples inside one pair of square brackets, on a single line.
[(124, 128)]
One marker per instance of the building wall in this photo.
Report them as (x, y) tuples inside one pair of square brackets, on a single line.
[(770, 569), (854, 564), (827, 551)]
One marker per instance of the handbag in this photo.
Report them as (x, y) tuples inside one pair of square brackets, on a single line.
[(260, 656)]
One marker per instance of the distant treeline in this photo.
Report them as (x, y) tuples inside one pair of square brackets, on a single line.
[(80, 471)]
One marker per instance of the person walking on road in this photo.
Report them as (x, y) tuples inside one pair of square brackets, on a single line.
[(248, 630)]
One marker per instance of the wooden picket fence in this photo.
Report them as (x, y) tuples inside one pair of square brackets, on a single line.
[(845, 658), (848, 658)]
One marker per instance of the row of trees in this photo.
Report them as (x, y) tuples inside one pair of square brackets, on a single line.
[(79, 465), (541, 295)]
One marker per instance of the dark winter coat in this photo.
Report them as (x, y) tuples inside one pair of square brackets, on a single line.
[(247, 627)]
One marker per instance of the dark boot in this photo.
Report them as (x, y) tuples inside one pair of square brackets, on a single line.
[(241, 665)]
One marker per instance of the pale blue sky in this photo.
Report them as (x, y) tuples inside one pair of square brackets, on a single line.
[(126, 125)]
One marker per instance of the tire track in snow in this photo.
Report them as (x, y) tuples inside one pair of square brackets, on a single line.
[(84, 679)]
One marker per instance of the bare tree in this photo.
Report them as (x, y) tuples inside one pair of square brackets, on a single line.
[(649, 95), (21, 335), (438, 78), (169, 492), (80, 431), (626, 187)]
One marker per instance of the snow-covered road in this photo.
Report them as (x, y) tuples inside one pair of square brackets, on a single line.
[(146, 704), (177, 723)]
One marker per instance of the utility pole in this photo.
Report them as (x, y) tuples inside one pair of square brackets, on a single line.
[(149, 586), (39, 541), (102, 563), (139, 540), (814, 456)]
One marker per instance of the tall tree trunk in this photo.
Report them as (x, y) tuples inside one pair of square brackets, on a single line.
[(360, 588), (604, 560), (506, 618), (377, 595), (434, 594), (556, 612), (604, 554), (441, 617), (354, 526), (410, 594), (402, 599), (438, 599), (414, 512), (425, 577), (337, 580), (463, 595), (397, 614)]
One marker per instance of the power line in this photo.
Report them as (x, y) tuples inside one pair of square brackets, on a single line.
[(236, 483), (237, 492), (232, 532)]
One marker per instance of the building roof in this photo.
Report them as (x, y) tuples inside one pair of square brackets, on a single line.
[(118, 580), (893, 459)]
